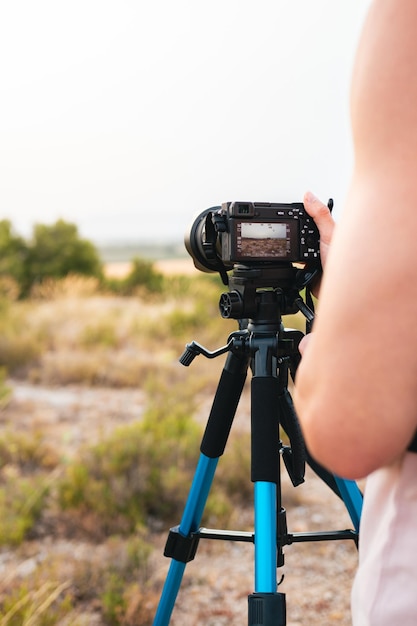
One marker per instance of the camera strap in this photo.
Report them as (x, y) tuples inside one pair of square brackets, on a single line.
[(310, 304)]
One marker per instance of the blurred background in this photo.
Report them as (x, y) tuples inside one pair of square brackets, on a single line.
[(129, 117)]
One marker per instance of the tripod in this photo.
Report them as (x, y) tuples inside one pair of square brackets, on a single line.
[(272, 354)]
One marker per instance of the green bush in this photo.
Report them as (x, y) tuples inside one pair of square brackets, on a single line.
[(21, 503), (143, 274), (13, 253), (20, 345), (142, 277), (27, 451), (56, 251), (26, 464)]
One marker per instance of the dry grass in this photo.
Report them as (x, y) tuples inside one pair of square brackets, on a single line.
[(85, 524), (70, 332)]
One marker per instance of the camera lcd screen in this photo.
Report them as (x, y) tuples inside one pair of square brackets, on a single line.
[(264, 239)]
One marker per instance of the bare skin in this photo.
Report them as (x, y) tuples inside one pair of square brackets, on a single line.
[(356, 388)]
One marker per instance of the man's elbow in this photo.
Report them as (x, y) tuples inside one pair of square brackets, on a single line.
[(338, 457), (332, 442)]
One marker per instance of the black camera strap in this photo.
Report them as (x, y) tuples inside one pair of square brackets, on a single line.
[(310, 304)]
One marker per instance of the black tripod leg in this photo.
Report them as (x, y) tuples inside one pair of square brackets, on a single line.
[(224, 406), (182, 544)]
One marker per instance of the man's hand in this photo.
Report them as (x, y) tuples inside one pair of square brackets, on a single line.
[(324, 221)]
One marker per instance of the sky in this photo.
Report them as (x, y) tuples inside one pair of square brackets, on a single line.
[(130, 117), (263, 230)]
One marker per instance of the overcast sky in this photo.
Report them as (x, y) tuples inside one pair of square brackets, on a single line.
[(128, 117)]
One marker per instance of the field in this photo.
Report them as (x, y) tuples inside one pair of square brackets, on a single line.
[(269, 247), (169, 267), (99, 436)]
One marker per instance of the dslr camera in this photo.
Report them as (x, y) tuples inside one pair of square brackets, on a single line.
[(253, 233)]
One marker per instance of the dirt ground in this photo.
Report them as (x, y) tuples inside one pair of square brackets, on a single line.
[(317, 576)]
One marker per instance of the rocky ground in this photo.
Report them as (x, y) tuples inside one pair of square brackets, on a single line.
[(317, 576)]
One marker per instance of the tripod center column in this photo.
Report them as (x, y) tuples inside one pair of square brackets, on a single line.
[(265, 459)]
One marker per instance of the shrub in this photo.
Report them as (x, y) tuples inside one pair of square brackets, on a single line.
[(13, 253), (19, 344), (21, 503), (56, 251), (26, 462), (142, 277), (143, 274), (27, 451)]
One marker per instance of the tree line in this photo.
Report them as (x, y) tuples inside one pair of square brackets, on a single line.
[(57, 250)]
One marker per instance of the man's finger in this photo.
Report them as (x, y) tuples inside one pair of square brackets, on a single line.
[(321, 215)]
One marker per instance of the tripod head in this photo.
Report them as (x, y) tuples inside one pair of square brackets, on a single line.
[(248, 283)]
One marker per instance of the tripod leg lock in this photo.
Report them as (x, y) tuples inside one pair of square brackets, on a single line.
[(179, 547), (267, 609)]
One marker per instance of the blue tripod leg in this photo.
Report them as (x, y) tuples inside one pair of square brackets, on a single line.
[(265, 537), (180, 538), (182, 545), (347, 490), (352, 497)]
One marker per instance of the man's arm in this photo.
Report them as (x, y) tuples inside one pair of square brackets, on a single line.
[(356, 388)]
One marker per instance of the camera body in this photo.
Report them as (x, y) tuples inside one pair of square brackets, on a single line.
[(264, 231)]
